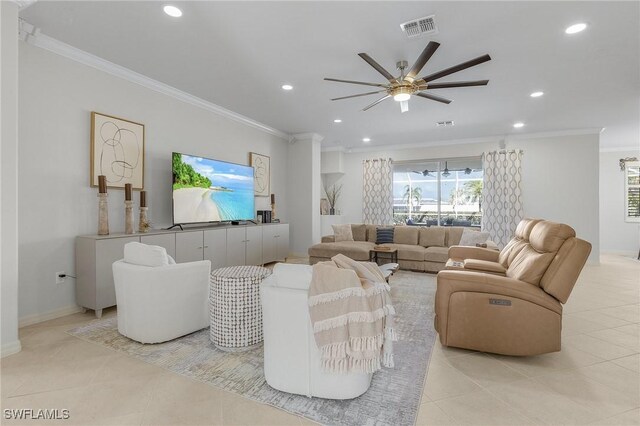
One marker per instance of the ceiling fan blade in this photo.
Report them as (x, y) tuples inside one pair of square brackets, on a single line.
[(356, 82), (458, 84), (376, 103), (377, 67), (360, 94), (426, 54), (433, 97), (456, 68)]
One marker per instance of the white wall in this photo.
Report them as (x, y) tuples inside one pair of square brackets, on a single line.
[(9, 176), (560, 178), (56, 96), (616, 235)]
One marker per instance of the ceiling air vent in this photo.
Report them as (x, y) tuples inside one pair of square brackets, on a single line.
[(420, 27), (445, 123)]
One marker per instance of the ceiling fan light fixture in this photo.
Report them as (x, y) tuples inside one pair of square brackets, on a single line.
[(402, 97)]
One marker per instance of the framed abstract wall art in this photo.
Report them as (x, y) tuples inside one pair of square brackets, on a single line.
[(262, 173), (117, 151)]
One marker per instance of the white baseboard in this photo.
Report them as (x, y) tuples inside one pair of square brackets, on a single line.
[(46, 316), (10, 348), (625, 253)]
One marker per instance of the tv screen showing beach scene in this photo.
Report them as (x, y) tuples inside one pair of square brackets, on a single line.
[(206, 190)]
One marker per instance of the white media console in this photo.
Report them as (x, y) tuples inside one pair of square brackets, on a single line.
[(226, 245)]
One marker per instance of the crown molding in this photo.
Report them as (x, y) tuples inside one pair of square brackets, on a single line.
[(23, 4), (313, 137), (621, 149), (551, 134), (56, 46)]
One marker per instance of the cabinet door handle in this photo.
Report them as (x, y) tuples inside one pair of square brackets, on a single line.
[(200, 247), (206, 246)]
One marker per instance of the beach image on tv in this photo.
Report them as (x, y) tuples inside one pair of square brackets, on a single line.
[(206, 190)]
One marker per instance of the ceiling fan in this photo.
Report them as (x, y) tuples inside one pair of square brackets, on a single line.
[(401, 88), (446, 172)]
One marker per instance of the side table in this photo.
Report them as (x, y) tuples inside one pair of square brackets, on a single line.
[(374, 255), (235, 311)]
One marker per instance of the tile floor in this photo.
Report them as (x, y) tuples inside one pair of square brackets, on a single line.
[(595, 379)]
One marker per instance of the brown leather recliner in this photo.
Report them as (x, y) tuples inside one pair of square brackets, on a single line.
[(519, 313)]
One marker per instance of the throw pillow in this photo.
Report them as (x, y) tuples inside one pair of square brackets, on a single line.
[(342, 232), (432, 236), (471, 238), (359, 232), (406, 235), (145, 255), (384, 235)]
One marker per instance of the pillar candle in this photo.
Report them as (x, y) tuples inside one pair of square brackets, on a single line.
[(127, 191), (102, 184), (143, 198)]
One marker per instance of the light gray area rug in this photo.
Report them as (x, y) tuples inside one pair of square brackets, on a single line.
[(393, 398)]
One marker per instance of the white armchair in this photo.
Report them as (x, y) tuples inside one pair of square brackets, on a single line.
[(159, 300), (291, 356)]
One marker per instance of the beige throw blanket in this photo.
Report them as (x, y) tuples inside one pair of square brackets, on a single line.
[(352, 316)]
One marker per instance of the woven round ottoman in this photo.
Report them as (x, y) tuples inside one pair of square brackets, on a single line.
[(235, 311)]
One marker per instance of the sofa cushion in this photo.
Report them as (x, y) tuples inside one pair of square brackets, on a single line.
[(359, 231), (472, 238), (432, 236), (372, 233), (145, 255), (342, 232), (409, 251), (529, 265), (436, 254), (453, 235), (384, 235), (356, 250), (406, 235)]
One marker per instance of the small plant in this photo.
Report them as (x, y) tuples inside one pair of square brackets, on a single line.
[(333, 193)]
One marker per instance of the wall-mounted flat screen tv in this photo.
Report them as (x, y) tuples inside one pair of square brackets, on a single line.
[(207, 190)]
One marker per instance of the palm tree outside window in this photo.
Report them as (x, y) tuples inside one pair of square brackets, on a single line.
[(442, 192)]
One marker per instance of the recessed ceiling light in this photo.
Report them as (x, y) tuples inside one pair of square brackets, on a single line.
[(366, 140), (536, 94), (518, 125), (575, 28), (173, 11), (337, 120), (287, 87)]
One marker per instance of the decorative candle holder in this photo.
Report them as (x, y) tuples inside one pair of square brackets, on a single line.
[(103, 214), (128, 217), (143, 224)]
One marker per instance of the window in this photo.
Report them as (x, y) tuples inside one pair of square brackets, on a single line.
[(438, 192), (632, 191)]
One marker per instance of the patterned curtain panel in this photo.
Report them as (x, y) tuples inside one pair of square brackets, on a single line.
[(377, 196), (502, 194)]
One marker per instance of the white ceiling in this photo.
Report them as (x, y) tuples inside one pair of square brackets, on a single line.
[(238, 54)]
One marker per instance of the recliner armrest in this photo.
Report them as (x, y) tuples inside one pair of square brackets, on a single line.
[(328, 239), (467, 252)]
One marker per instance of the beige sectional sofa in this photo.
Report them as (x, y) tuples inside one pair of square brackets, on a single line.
[(419, 248)]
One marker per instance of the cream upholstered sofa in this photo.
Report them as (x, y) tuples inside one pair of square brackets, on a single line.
[(419, 248), (514, 305)]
